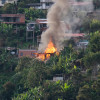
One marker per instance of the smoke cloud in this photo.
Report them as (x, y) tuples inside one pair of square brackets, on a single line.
[(63, 18)]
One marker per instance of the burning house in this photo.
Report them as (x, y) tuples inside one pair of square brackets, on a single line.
[(61, 11), (61, 22), (49, 51)]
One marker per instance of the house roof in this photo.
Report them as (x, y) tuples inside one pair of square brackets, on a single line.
[(74, 34)]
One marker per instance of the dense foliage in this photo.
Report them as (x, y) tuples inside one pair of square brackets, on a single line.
[(32, 79)]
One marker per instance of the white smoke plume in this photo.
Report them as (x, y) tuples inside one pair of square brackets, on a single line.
[(63, 18)]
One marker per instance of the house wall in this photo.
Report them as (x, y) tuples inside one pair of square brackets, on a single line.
[(45, 0), (1, 4), (11, 1), (20, 18), (26, 53), (58, 79)]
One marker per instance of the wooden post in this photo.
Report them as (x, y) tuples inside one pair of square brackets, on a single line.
[(33, 39), (26, 35)]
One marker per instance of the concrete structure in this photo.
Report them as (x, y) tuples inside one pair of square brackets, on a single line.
[(30, 31), (15, 19), (82, 44), (42, 24), (76, 6), (31, 26), (2, 2), (12, 18), (12, 50), (44, 4), (58, 77)]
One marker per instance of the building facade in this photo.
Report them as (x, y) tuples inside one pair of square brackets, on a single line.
[(44, 4), (26, 53), (12, 18), (2, 2)]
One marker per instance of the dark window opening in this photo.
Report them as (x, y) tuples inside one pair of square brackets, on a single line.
[(44, 25), (3, 1), (11, 19), (47, 4), (21, 54)]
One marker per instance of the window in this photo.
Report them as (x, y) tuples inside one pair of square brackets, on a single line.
[(3, 1), (33, 54), (17, 19), (14, 19), (44, 25), (21, 54), (47, 4)]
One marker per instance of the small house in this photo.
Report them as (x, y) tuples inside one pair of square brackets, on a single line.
[(42, 23), (12, 18), (58, 77), (26, 53), (82, 44)]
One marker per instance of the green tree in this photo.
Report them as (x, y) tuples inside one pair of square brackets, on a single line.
[(24, 63), (94, 25), (7, 61), (91, 59), (9, 8), (94, 43), (5, 31), (37, 74), (32, 14), (8, 91), (84, 93)]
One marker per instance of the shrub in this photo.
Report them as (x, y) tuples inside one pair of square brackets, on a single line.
[(92, 59), (94, 43)]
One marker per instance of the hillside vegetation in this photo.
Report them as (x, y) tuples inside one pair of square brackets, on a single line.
[(32, 79)]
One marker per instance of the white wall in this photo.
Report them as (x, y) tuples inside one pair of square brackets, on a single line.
[(45, 0), (8, 1), (11, 1), (1, 3), (57, 78)]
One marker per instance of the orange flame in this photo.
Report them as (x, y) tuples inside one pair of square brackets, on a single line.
[(47, 53), (51, 48)]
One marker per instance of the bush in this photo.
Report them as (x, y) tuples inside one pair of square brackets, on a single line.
[(94, 45), (23, 63), (37, 74), (8, 91), (92, 59)]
